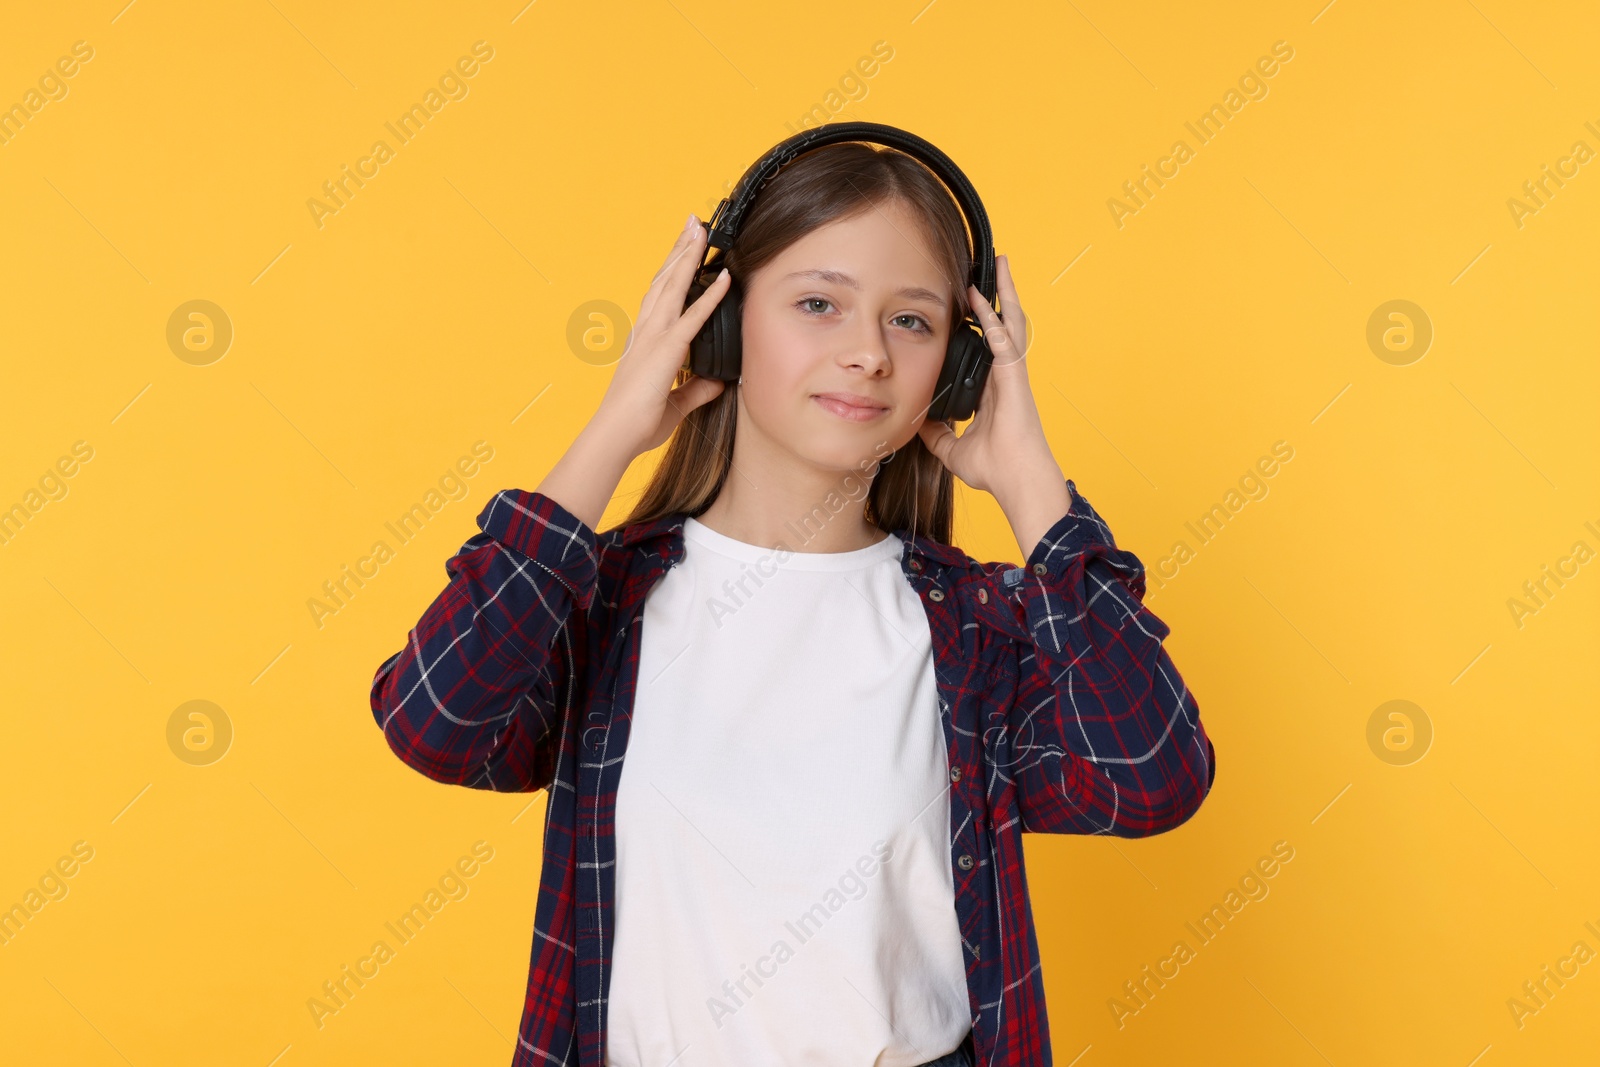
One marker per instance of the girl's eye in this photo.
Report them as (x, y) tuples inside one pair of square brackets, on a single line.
[(921, 325)]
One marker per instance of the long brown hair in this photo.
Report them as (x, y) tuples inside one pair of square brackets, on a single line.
[(913, 490)]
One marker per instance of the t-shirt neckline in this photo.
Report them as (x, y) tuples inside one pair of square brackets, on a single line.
[(700, 534)]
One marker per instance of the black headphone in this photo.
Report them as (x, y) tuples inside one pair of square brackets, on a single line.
[(715, 351)]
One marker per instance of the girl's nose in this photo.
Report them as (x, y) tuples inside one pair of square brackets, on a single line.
[(867, 347)]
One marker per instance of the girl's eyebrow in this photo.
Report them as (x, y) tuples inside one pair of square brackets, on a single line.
[(914, 292)]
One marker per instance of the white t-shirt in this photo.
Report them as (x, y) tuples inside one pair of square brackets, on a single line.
[(783, 883)]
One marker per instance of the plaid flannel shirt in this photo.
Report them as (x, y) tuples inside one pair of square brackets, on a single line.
[(1061, 711)]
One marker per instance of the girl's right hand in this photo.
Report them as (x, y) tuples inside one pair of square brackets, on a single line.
[(640, 401)]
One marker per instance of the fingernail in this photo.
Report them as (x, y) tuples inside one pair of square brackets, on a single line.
[(690, 224)]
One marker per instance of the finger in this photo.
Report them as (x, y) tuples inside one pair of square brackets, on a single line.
[(938, 438), (647, 304), (695, 315), (1006, 351), (680, 275), (694, 392), (1010, 306), (685, 254), (684, 399)]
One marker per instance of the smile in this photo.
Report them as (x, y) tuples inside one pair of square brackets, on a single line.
[(858, 411)]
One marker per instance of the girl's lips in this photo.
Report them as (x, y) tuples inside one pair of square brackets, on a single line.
[(849, 411)]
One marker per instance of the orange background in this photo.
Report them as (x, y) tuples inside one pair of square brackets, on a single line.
[(1440, 859)]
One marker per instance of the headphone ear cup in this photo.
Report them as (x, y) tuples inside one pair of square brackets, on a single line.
[(715, 350), (966, 361)]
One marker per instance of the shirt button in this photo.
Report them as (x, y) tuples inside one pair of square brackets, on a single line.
[(955, 774), (964, 861), (916, 565), (935, 594), (983, 596), (1039, 568)]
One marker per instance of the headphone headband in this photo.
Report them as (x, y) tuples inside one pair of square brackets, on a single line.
[(730, 212)]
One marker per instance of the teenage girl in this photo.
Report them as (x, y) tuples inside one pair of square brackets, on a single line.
[(791, 734)]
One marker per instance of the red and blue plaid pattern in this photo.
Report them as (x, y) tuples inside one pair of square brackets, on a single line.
[(1062, 713)]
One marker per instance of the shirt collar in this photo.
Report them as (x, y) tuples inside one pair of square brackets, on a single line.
[(645, 534)]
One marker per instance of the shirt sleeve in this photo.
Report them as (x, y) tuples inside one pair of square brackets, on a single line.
[(1107, 736), (475, 695)]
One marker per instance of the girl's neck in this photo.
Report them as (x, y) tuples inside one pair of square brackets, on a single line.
[(798, 520)]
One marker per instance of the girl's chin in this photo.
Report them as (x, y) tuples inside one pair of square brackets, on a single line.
[(832, 443), (861, 462)]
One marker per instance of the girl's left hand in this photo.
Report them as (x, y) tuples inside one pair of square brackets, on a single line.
[(1004, 443)]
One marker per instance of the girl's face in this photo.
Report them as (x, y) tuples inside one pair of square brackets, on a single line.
[(857, 308)]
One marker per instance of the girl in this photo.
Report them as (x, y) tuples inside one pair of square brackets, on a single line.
[(836, 723)]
